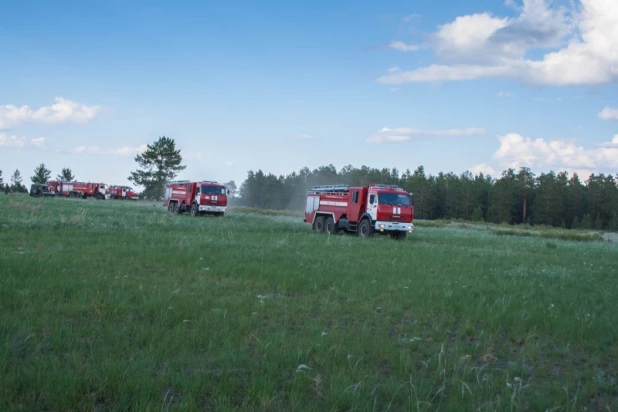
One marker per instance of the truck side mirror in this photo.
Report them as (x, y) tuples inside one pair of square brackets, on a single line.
[(227, 191)]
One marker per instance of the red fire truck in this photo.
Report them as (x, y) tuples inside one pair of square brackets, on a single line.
[(122, 192), (82, 190), (206, 197), (384, 209)]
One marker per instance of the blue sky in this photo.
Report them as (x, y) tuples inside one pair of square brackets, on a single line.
[(240, 85)]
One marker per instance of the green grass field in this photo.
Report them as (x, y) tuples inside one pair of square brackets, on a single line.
[(108, 305)]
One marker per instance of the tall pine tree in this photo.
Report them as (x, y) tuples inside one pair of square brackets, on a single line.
[(160, 162), (16, 179), (66, 175), (41, 174)]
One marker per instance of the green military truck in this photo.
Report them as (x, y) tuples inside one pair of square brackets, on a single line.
[(40, 190)]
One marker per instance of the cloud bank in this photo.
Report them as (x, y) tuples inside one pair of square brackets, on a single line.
[(61, 112), (578, 46)]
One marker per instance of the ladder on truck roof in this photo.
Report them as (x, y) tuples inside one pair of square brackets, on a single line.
[(178, 182), (383, 186), (331, 188)]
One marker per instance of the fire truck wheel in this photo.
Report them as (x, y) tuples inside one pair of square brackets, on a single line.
[(329, 226), (194, 210), (318, 224), (364, 229), (398, 235)]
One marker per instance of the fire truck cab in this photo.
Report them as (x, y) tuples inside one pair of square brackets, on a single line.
[(377, 208), (198, 198)]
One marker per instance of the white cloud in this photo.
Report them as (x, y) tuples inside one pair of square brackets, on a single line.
[(404, 134), (503, 94), (482, 168), (305, 137), (410, 17), (60, 112), (516, 151), (11, 141), (467, 34), (584, 43), (131, 151), (38, 142), (609, 113), (86, 150), (96, 150), (229, 164), (401, 46), (436, 73)]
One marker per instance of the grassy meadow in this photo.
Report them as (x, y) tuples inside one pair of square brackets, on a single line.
[(117, 305)]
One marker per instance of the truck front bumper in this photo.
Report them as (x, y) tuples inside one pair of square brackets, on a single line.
[(208, 208), (394, 226)]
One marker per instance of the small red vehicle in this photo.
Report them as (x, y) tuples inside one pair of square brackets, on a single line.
[(82, 190), (206, 197), (384, 209), (122, 192)]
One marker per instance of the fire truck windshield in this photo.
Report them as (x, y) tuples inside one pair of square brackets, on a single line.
[(213, 190), (393, 199)]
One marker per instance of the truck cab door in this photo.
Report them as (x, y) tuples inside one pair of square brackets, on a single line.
[(372, 206), (198, 191)]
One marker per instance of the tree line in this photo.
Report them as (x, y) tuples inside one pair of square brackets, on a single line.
[(160, 162), (41, 175), (516, 197)]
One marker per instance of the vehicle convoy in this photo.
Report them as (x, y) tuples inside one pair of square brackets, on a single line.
[(363, 210), (122, 192), (82, 190), (40, 190), (198, 198)]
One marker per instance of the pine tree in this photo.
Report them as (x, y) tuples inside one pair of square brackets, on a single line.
[(66, 175), (598, 224), (576, 224), (525, 189), (612, 226), (16, 179), (586, 222), (477, 215), (159, 163), (1, 179), (41, 174)]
